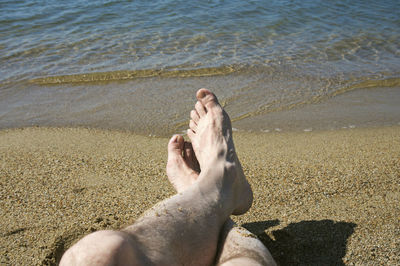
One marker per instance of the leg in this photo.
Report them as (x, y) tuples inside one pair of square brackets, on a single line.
[(240, 247), (237, 246), (183, 229), (105, 248)]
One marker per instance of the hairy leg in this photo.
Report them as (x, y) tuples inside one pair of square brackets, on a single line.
[(183, 229), (237, 246), (105, 248)]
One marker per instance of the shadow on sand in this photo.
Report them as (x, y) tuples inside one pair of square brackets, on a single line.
[(305, 243)]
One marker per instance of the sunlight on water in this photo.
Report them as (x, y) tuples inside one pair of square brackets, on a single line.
[(76, 37), (262, 57)]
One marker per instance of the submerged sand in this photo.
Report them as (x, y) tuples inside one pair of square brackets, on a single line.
[(323, 198)]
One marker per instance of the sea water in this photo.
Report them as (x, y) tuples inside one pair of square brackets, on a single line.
[(136, 65)]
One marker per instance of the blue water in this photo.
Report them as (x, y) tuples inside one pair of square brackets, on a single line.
[(303, 49)]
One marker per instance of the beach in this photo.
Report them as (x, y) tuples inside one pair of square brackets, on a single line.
[(90, 92), (321, 198)]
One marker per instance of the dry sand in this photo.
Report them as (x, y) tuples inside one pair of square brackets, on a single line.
[(325, 198)]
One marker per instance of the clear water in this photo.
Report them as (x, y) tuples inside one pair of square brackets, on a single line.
[(136, 64)]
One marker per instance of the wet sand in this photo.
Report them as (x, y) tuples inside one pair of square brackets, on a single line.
[(326, 198)]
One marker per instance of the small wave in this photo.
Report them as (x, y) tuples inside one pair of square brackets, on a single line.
[(131, 74), (278, 106), (369, 84), (350, 86)]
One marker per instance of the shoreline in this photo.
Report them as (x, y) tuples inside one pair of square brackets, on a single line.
[(142, 107), (360, 108), (326, 197)]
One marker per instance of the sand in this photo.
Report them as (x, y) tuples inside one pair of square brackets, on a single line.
[(325, 198)]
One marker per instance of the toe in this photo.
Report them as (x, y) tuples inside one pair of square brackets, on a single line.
[(175, 145), (192, 125), (187, 154), (187, 150), (194, 116), (200, 109), (190, 157), (191, 134), (207, 98)]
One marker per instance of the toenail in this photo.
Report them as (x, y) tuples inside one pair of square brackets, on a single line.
[(202, 94)]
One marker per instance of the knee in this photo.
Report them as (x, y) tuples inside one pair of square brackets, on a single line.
[(101, 248)]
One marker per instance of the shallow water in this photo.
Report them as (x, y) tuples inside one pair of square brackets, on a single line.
[(136, 64)]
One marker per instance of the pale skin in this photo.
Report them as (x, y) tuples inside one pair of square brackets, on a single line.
[(237, 246), (192, 227)]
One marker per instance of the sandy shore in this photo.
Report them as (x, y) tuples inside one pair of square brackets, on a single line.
[(326, 198)]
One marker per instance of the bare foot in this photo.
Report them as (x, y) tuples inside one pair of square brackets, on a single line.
[(182, 166), (237, 244), (210, 132)]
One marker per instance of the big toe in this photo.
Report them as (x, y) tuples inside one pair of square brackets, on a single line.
[(207, 98), (175, 147)]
